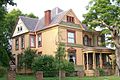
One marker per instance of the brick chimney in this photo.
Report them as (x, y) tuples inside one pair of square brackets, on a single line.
[(47, 17)]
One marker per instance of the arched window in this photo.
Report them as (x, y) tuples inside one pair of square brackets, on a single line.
[(85, 40), (99, 40)]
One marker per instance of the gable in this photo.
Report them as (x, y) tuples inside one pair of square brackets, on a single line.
[(76, 23), (20, 28)]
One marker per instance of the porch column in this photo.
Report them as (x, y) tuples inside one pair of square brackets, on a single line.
[(101, 63), (94, 61), (83, 61), (87, 61), (16, 60)]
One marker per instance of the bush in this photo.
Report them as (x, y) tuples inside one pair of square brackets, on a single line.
[(46, 64), (68, 66), (101, 71), (26, 58), (2, 71)]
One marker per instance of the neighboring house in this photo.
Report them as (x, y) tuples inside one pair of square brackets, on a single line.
[(83, 46)]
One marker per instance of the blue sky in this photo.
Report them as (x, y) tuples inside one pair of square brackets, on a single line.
[(38, 7)]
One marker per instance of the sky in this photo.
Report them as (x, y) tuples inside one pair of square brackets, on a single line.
[(38, 7)]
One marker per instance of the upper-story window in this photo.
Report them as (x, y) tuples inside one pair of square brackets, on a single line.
[(32, 41), (39, 40), (71, 36), (22, 42), (70, 19), (85, 40), (18, 29), (21, 28), (16, 44), (99, 40)]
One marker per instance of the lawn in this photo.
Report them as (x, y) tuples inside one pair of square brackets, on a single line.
[(23, 77)]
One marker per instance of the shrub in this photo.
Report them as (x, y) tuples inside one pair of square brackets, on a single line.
[(2, 71), (46, 64), (101, 71), (68, 66), (27, 58)]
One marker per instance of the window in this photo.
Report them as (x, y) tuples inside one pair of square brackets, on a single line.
[(40, 53), (99, 40), (18, 29), (32, 41), (39, 40), (16, 43), (70, 19), (72, 57), (85, 40), (21, 28), (22, 42), (71, 36)]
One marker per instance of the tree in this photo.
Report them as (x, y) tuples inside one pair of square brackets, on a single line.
[(4, 43), (9, 24), (31, 15), (60, 58), (11, 18), (106, 14)]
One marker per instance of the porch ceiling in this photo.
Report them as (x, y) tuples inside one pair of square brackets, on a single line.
[(98, 50)]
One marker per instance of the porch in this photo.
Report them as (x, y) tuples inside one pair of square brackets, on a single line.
[(96, 57)]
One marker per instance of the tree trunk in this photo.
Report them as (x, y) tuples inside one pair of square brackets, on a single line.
[(60, 75), (117, 53)]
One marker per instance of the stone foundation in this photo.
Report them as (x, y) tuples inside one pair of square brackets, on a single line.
[(11, 75), (39, 75), (80, 73)]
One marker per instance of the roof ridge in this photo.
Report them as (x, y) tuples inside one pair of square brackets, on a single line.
[(27, 17), (37, 24)]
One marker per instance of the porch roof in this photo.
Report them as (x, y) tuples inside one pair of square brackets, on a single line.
[(98, 49)]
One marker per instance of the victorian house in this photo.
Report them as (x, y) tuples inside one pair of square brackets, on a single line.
[(84, 48)]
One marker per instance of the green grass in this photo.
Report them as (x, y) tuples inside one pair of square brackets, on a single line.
[(24, 77)]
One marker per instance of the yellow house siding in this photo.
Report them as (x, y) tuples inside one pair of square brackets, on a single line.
[(63, 34), (63, 38), (79, 58), (26, 43), (49, 40)]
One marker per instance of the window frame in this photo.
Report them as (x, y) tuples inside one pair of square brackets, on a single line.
[(71, 31), (84, 40), (32, 35), (70, 19), (16, 44), (40, 34), (99, 41), (73, 55), (22, 42)]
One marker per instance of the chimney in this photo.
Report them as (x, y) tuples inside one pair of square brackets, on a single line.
[(47, 17)]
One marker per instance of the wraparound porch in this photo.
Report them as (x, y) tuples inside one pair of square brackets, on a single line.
[(96, 57)]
